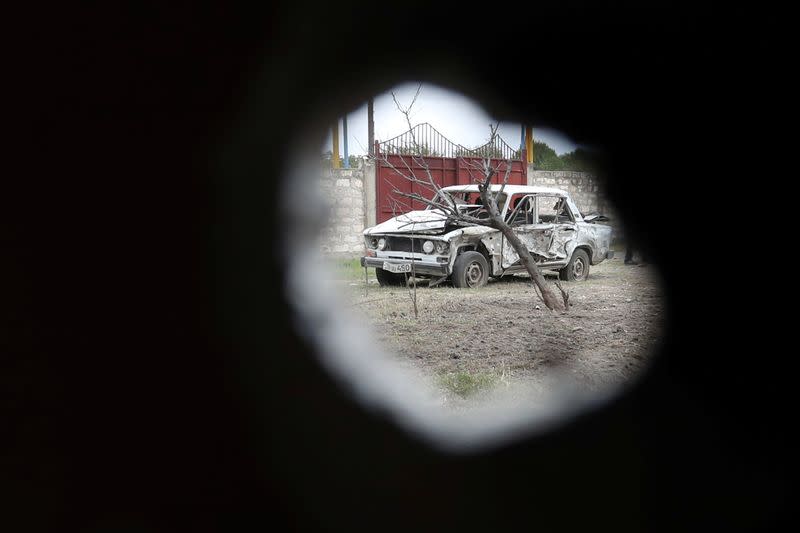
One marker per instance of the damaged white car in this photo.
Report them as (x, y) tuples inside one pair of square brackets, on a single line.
[(429, 244)]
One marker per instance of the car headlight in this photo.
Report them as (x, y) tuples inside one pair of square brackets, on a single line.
[(372, 242), (427, 247), (381, 243), (441, 247)]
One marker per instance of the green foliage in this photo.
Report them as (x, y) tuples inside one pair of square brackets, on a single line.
[(487, 150), (545, 158), (580, 159), (347, 269), (410, 149), (465, 384)]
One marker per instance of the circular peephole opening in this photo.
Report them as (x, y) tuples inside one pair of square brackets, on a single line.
[(467, 276)]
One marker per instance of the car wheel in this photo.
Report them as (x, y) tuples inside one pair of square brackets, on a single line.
[(470, 270), (578, 267), (389, 279)]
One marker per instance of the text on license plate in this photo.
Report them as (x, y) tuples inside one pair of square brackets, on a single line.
[(397, 267)]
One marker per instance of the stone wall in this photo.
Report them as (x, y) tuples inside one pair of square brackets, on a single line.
[(582, 186), (585, 190), (343, 190)]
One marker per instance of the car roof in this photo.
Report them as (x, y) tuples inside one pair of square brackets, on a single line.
[(509, 189)]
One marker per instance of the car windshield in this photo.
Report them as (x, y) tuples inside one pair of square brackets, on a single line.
[(464, 199)]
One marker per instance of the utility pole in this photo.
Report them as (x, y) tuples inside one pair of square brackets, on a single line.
[(344, 138), (529, 142), (335, 161), (371, 126)]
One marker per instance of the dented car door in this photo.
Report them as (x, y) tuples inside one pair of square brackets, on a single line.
[(545, 225)]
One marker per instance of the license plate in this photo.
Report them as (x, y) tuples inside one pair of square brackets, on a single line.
[(397, 267)]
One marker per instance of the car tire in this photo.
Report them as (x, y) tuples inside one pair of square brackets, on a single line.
[(578, 267), (470, 270), (389, 279)]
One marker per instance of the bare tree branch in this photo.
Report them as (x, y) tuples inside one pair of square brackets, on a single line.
[(470, 167), (396, 203), (505, 177), (414, 100), (564, 294), (414, 282), (421, 161), (427, 185)]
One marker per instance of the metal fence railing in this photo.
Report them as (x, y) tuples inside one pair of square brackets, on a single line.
[(424, 139)]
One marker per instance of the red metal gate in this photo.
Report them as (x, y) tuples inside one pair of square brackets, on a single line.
[(448, 163)]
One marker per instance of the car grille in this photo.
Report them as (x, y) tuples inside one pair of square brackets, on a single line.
[(404, 244)]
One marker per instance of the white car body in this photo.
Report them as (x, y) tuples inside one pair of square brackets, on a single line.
[(552, 236)]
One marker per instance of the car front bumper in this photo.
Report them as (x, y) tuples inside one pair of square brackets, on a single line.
[(425, 269)]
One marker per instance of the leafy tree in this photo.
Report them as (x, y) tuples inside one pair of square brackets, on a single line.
[(581, 160), (545, 158)]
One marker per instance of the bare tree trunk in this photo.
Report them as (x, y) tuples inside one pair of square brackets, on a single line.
[(496, 221), (550, 299), (371, 127)]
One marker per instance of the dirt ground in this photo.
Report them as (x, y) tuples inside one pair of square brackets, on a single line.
[(501, 336)]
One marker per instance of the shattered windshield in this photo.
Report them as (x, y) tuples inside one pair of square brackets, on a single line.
[(465, 200)]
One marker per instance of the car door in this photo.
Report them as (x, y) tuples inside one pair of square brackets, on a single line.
[(545, 225)]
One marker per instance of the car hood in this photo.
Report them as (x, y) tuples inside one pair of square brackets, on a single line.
[(412, 222)]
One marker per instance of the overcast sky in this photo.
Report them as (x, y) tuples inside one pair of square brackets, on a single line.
[(457, 117)]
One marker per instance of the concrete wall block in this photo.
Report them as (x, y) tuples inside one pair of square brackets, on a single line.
[(344, 190)]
